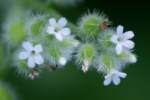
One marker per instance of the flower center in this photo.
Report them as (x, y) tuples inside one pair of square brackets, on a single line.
[(120, 39), (57, 28), (33, 52)]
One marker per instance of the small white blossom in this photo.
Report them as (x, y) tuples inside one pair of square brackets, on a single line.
[(58, 29), (31, 54), (122, 40), (62, 61), (114, 76)]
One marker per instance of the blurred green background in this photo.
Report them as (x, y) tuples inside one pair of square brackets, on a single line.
[(71, 83)]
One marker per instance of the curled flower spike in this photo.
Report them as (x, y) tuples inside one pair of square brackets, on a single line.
[(32, 54), (91, 46), (58, 29), (114, 76), (122, 40)]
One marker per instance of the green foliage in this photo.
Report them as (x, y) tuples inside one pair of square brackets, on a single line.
[(6, 93)]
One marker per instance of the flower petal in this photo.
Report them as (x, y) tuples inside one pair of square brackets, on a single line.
[(66, 31), (128, 35), (38, 59), (62, 22), (38, 48), (27, 46), (120, 30), (116, 80), (23, 55), (31, 62), (119, 49), (107, 76), (114, 39), (52, 21), (59, 36), (50, 30), (122, 75), (128, 44), (107, 82)]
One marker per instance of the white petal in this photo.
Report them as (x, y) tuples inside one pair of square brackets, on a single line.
[(59, 36), (107, 76), (128, 44), (23, 55), (38, 48), (120, 30), (52, 21), (119, 49), (27, 46), (107, 82), (114, 39), (31, 62), (62, 22), (128, 35), (38, 59), (66, 31), (116, 80), (62, 61), (122, 75), (50, 30)]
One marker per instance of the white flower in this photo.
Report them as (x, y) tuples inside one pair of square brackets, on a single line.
[(62, 61), (32, 54), (114, 76), (58, 29), (122, 40)]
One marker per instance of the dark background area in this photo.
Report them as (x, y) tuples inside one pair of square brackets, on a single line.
[(71, 84)]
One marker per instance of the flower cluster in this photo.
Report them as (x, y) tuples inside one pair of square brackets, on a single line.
[(51, 42), (51, 47), (105, 48)]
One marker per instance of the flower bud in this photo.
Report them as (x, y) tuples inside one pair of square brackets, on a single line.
[(14, 27), (62, 61), (133, 58), (35, 25), (91, 25)]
